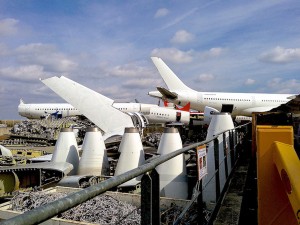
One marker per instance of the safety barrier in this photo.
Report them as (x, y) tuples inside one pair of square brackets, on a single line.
[(278, 176), (150, 192)]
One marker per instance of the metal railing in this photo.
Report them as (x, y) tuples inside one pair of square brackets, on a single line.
[(150, 192)]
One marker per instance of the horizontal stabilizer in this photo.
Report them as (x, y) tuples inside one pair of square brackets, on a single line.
[(155, 94), (96, 107), (166, 93)]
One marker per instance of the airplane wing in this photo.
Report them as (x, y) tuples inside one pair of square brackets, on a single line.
[(91, 104), (291, 106)]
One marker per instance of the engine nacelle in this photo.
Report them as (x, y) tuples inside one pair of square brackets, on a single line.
[(139, 120), (208, 112)]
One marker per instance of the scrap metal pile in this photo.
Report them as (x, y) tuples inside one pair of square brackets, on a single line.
[(44, 132), (102, 209)]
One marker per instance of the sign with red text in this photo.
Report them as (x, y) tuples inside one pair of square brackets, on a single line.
[(201, 161)]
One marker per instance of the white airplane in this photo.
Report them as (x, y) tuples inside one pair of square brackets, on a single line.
[(152, 112), (109, 116), (238, 104), (42, 110)]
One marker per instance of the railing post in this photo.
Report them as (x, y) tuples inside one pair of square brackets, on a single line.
[(231, 148), (155, 197), (150, 202), (200, 205), (225, 154), (217, 172), (235, 137)]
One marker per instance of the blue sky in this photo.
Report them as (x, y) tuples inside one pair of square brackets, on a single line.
[(228, 46)]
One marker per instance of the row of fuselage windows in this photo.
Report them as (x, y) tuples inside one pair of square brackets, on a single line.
[(228, 99), (159, 114), (243, 100), (70, 109), (273, 100), (122, 109)]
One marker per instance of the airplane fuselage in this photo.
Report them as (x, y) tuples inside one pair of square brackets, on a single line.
[(235, 103), (153, 113), (38, 111)]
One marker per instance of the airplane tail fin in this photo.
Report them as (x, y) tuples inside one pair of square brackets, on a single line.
[(169, 77), (186, 108), (168, 104), (21, 101)]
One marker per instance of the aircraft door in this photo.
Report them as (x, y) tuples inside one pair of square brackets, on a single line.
[(199, 98), (178, 116), (227, 108), (27, 111)]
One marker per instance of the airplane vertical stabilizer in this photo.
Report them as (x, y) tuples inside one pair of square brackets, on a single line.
[(169, 77), (91, 104)]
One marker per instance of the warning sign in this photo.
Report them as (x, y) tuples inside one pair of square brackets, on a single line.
[(201, 161)]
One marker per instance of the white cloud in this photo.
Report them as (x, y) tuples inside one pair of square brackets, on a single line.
[(140, 83), (173, 55), (180, 18), (129, 70), (182, 36), (23, 73), (249, 81), (8, 26), (279, 85), (214, 52), (281, 55), (204, 77), (161, 12), (45, 55)]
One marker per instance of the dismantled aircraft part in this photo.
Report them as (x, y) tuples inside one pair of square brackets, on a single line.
[(7, 161), (9, 182), (94, 160), (208, 113), (32, 176), (80, 181), (112, 121)]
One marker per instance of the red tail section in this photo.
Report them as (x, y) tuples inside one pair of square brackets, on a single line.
[(187, 107), (166, 103)]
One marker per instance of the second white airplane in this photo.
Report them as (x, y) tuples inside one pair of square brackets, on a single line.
[(242, 104), (154, 113)]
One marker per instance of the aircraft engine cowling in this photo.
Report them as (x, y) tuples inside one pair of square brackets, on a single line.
[(208, 112), (139, 120)]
